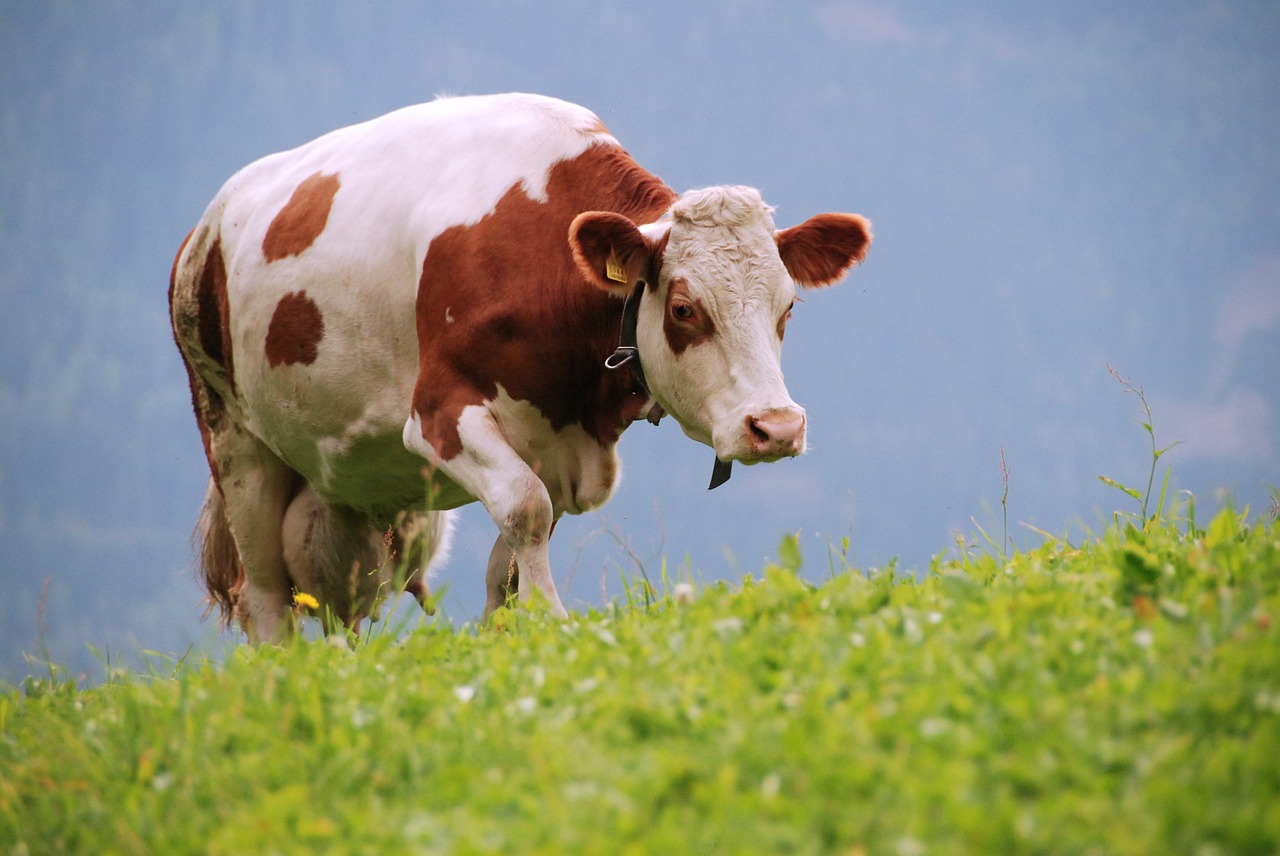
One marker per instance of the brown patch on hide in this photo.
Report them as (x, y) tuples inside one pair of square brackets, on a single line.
[(295, 331), (302, 218)]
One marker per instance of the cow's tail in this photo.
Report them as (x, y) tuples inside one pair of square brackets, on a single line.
[(219, 560), (423, 540)]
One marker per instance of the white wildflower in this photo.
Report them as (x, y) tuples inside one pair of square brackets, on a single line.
[(934, 726), (732, 624), (909, 847)]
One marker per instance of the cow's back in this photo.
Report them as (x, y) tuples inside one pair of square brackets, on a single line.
[(294, 298)]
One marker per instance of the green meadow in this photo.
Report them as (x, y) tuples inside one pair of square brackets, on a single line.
[(1117, 695)]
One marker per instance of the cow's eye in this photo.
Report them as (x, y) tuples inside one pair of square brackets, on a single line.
[(682, 311)]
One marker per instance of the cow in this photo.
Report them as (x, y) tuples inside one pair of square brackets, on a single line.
[(467, 299)]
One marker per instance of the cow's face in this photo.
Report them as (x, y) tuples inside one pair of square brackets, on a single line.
[(720, 287)]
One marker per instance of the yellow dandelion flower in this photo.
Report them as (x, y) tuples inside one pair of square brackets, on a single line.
[(304, 599)]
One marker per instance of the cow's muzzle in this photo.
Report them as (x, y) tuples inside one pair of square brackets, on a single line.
[(766, 436), (773, 434)]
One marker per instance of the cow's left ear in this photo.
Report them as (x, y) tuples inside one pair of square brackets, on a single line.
[(610, 251), (822, 249)]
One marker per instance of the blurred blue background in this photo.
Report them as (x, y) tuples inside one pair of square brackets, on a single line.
[(1054, 187)]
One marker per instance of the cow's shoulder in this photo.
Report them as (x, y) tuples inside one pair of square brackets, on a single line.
[(502, 302)]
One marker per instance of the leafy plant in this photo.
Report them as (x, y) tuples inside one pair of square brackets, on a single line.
[(1143, 498)]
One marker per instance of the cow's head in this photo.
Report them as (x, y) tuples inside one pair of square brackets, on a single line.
[(720, 283)]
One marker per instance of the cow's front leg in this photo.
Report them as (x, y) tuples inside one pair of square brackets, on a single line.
[(489, 469), (499, 578)]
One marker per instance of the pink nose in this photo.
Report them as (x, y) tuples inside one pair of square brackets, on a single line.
[(776, 433)]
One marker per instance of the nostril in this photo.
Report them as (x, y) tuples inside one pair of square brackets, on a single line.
[(758, 433)]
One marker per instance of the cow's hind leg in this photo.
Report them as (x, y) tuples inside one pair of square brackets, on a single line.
[(256, 488)]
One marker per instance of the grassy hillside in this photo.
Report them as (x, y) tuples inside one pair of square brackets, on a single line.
[(1116, 696)]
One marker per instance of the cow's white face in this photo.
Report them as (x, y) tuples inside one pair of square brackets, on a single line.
[(710, 334), (711, 322)]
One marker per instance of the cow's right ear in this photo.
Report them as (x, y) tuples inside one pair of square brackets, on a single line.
[(610, 251)]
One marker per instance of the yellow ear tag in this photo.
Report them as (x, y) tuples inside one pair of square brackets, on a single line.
[(613, 269)]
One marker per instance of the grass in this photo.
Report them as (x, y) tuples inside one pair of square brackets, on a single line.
[(1120, 695), (1117, 696)]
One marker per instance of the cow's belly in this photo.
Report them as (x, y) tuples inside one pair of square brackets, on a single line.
[(362, 464), (339, 423), (378, 475)]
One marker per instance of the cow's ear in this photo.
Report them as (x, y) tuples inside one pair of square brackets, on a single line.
[(610, 251), (822, 249)]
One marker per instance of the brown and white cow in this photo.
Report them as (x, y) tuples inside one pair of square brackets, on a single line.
[(415, 312)]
